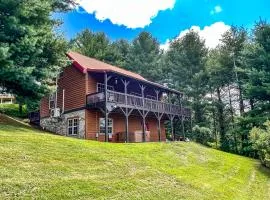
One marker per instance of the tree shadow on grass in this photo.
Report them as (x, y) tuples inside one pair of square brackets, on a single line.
[(9, 124), (264, 170)]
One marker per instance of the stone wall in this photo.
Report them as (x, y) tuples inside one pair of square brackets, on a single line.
[(60, 125)]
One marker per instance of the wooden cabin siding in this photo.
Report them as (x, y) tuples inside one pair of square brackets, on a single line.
[(153, 127), (92, 126), (44, 107), (91, 84), (79, 81), (135, 124), (73, 82), (91, 116)]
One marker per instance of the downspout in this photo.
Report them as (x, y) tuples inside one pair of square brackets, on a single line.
[(63, 102), (97, 132), (56, 84), (85, 111)]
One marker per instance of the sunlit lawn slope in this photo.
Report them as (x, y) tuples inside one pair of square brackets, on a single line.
[(38, 165)]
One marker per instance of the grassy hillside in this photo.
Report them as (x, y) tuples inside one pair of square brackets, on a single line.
[(34, 164)]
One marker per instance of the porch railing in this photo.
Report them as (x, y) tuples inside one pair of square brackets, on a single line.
[(34, 117), (137, 102)]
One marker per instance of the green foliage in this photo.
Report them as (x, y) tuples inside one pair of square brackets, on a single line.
[(30, 52), (120, 49), (97, 45), (145, 57), (142, 56), (91, 44), (260, 138), (13, 110), (255, 57), (185, 69), (202, 135), (226, 87)]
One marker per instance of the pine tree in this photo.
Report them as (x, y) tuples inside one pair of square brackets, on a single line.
[(144, 57), (185, 66), (30, 51)]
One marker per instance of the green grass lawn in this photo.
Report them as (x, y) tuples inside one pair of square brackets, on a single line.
[(38, 165)]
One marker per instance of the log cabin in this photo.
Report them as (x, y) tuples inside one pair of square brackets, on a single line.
[(97, 101)]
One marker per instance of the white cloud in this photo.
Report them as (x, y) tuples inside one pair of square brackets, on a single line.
[(130, 13), (211, 34), (217, 9), (166, 45)]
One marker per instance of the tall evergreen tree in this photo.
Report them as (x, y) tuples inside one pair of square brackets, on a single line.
[(30, 51), (97, 45), (233, 42), (185, 66), (257, 61), (91, 44), (219, 77), (144, 57), (120, 50)]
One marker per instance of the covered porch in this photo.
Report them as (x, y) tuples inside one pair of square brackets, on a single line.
[(129, 97)]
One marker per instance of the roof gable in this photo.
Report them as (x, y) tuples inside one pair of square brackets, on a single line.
[(84, 63)]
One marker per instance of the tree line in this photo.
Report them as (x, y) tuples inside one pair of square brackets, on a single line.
[(228, 87)]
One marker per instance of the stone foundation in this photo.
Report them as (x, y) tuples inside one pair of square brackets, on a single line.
[(60, 125)]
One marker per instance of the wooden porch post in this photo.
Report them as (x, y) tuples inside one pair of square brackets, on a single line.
[(191, 123), (143, 114), (171, 117), (159, 130), (157, 94), (169, 99), (182, 118), (127, 135), (144, 133), (183, 127), (143, 111), (126, 111), (105, 109), (172, 129), (158, 117)]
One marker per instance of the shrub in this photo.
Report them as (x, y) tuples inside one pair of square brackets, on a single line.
[(260, 138), (202, 135), (13, 110)]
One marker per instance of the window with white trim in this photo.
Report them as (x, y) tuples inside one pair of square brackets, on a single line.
[(73, 126), (101, 87), (102, 126)]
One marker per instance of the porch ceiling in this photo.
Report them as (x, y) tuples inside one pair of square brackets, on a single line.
[(117, 83)]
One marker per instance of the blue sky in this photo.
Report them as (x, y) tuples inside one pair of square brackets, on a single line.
[(165, 19)]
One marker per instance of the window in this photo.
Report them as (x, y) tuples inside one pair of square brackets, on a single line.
[(73, 126), (101, 87), (52, 101), (102, 126)]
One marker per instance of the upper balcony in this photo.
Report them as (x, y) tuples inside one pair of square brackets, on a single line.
[(118, 99)]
